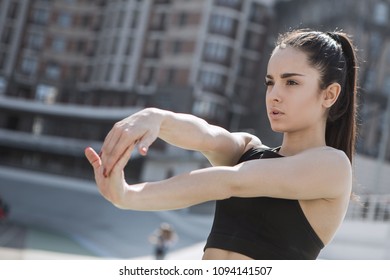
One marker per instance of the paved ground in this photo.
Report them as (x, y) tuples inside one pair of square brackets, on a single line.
[(51, 216), (22, 243)]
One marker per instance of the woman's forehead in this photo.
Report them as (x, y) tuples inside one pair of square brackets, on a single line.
[(288, 60)]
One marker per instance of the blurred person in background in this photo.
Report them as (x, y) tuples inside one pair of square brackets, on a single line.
[(162, 239)]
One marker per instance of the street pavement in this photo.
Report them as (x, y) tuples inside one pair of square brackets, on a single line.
[(55, 222)]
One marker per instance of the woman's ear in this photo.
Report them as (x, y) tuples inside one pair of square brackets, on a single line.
[(331, 93)]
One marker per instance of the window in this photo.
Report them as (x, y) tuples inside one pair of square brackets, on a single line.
[(40, 16), (121, 17), (58, 44), (229, 3), (158, 21), (222, 24), (153, 48), (149, 74), (129, 46), (252, 41), (2, 60), (52, 71), (45, 93), (81, 46), (35, 41), (171, 76), (108, 72), (7, 35), (114, 46), (215, 51), (183, 18), (3, 85), (85, 20), (211, 80), (13, 10), (134, 20), (64, 19), (29, 66), (381, 13), (247, 68), (177, 47), (256, 13), (386, 86), (123, 74)]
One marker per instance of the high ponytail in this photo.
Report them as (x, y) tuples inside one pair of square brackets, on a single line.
[(341, 130)]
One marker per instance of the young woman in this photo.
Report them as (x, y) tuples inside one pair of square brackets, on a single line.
[(281, 203)]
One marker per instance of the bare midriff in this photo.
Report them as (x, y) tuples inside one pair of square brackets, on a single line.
[(219, 254)]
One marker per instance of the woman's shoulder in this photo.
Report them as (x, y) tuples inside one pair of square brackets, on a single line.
[(330, 159), (327, 152)]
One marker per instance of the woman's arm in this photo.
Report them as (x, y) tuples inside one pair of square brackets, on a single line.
[(182, 130), (320, 173)]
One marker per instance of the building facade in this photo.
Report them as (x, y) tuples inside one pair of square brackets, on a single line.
[(69, 69)]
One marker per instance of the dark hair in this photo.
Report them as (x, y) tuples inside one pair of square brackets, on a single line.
[(334, 56)]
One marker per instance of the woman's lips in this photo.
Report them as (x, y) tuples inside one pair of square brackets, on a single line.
[(275, 113)]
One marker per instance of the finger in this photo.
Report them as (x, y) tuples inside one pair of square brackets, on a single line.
[(110, 140), (144, 144), (123, 160), (123, 143), (93, 158)]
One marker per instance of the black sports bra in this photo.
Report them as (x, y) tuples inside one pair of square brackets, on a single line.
[(263, 227)]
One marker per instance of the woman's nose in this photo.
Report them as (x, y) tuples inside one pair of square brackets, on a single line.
[(273, 94)]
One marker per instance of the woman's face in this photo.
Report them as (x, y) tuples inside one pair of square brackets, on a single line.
[(293, 96)]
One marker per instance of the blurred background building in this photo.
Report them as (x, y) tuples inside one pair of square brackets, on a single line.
[(69, 69)]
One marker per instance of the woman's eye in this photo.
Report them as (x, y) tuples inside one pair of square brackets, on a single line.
[(268, 83), (291, 83)]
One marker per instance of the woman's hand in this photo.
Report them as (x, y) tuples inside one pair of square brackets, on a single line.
[(112, 187), (140, 129)]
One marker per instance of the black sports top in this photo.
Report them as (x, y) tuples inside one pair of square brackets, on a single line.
[(263, 227)]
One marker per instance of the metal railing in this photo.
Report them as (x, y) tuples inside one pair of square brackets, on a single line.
[(370, 207)]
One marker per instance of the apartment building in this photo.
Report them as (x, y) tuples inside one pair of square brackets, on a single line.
[(70, 68)]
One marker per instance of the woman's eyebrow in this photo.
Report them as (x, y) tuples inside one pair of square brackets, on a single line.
[(285, 75), (289, 75)]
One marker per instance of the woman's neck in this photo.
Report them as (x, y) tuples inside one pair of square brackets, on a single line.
[(294, 143)]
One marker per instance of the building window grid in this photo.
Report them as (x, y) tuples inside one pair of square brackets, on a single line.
[(40, 16), (222, 24), (216, 51), (257, 13), (123, 74), (114, 45), (182, 19), (29, 66), (236, 4), (177, 47), (134, 19), (64, 19), (108, 72), (212, 81), (35, 41), (13, 10), (52, 71), (58, 44), (129, 46), (3, 55), (7, 35)]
